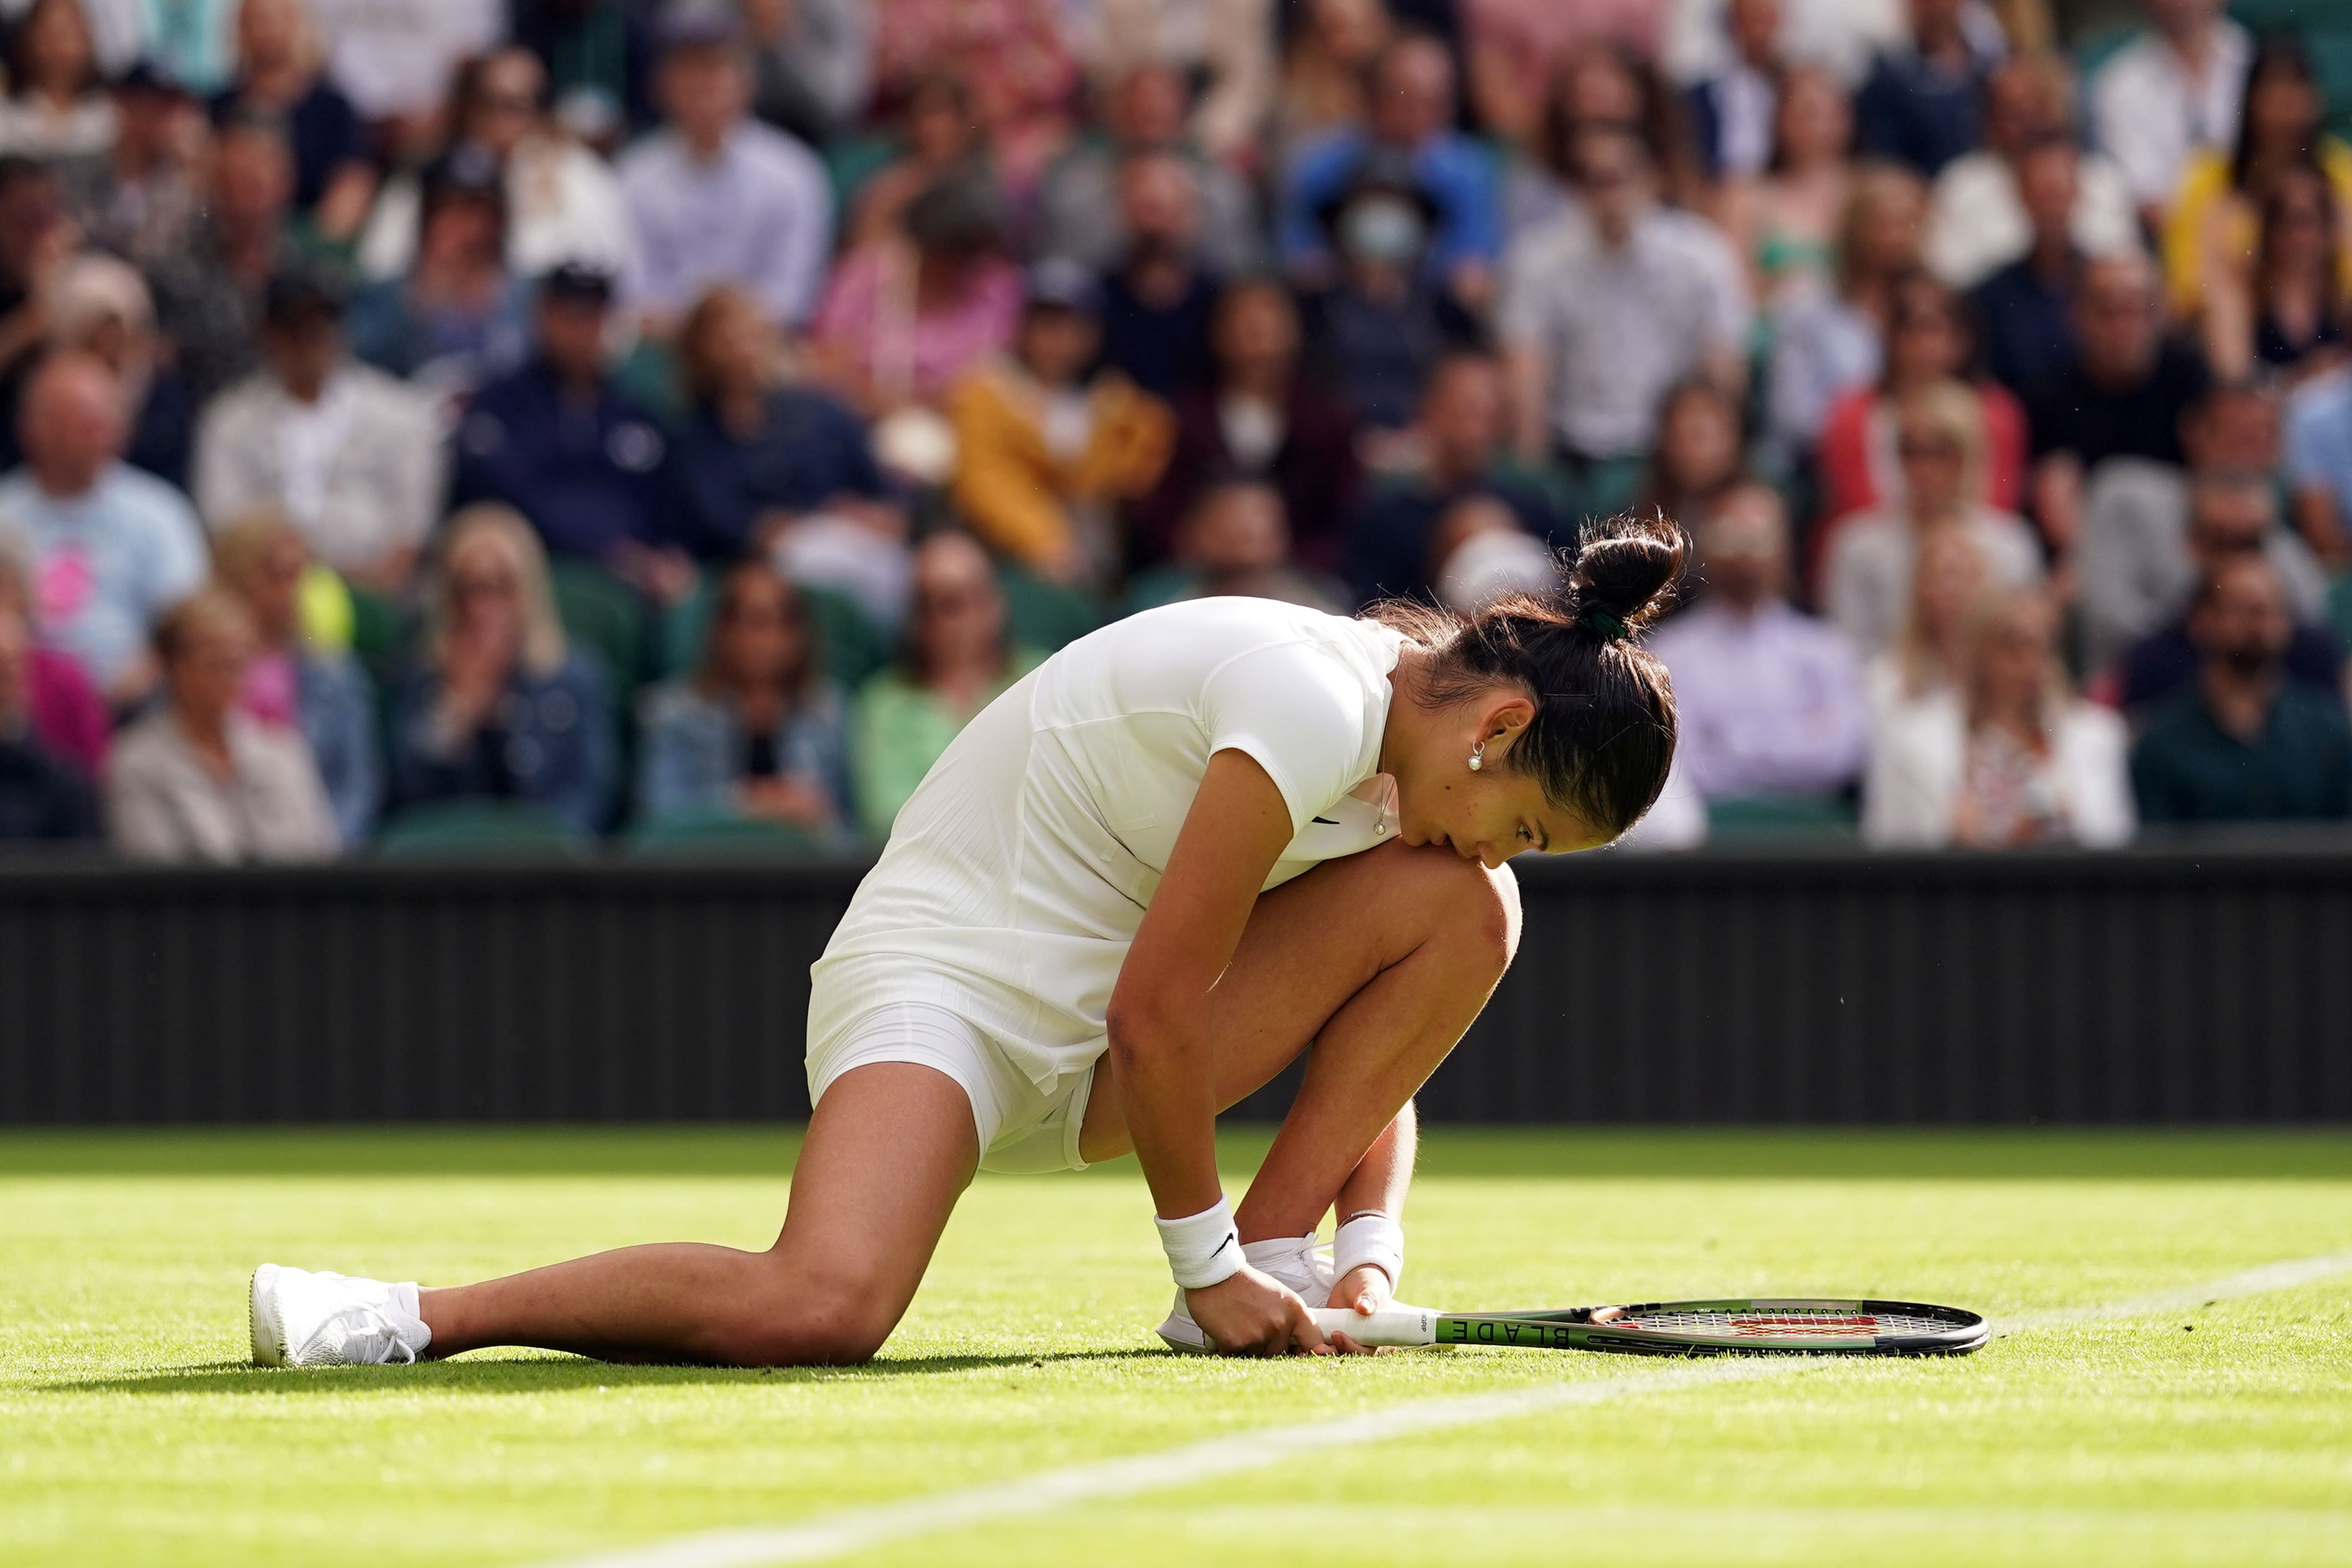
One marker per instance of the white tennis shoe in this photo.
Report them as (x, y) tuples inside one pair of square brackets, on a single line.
[(1295, 1260), (302, 1318)]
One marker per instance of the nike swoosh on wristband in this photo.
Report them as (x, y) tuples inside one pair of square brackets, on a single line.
[(838, 1534)]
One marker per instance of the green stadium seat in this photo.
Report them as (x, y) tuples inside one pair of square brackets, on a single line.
[(476, 830), (2339, 610), (604, 615), (718, 837), (1046, 615)]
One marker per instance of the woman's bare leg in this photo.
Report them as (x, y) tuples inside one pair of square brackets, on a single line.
[(1380, 961), (888, 1152)]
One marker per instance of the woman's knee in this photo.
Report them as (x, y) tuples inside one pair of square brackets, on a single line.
[(803, 1319), (1475, 907)]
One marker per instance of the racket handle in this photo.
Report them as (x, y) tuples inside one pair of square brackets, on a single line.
[(1391, 1325)]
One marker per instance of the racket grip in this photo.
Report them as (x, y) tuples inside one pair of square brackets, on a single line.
[(1391, 1325)]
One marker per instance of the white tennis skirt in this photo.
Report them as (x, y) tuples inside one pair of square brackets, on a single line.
[(1022, 1128)]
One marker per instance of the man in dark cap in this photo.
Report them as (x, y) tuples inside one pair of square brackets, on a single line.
[(561, 444), (716, 197), (346, 452)]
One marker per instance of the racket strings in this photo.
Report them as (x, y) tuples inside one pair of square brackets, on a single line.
[(1783, 1323)]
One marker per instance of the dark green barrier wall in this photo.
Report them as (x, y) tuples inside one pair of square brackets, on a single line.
[(2159, 986)]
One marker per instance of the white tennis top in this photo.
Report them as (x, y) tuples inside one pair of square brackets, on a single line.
[(1017, 875)]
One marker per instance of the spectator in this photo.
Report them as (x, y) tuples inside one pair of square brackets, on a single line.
[(811, 64), (2231, 513), (112, 547), (497, 706), (937, 140), (761, 465), (559, 443), (2027, 308), (1940, 445), (35, 237), (69, 718), (1043, 452), (755, 732), (717, 197), (1919, 106), (1378, 326), (1737, 113), (562, 202), (1770, 699), (1481, 554), (457, 320), (1979, 221), (1262, 419), (1159, 298), (1826, 344), (2213, 228), (1603, 311), (1461, 443), (2169, 93), (958, 659), (43, 795), (1408, 134), (1701, 451), (1603, 87), (2149, 530), (2319, 465), (2244, 744), (1929, 339), (1923, 666), (351, 456), (292, 682), (281, 73), (1517, 50), (146, 200), (2122, 395), (1326, 66), (196, 779), (208, 295), (1785, 223), (394, 59), (1085, 210), (2017, 761), (2284, 314), (57, 107), (905, 317), (100, 304), (1227, 45), (1011, 54), (1235, 541)]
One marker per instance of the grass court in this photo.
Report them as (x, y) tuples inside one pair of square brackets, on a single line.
[(132, 1431)]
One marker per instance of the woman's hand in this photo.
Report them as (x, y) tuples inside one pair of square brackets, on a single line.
[(1249, 1313)]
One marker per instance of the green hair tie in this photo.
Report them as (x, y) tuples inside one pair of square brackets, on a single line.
[(1607, 625)]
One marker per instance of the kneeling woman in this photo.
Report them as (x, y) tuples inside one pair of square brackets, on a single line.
[(1163, 864)]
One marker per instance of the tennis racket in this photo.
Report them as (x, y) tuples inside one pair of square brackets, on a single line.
[(1745, 1326)]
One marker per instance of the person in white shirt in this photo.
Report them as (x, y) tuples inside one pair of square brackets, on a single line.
[(2011, 760), (1132, 890), (1940, 444), (1976, 221), (1605, 308), (717, 197), (2169, 93), (395, 58)]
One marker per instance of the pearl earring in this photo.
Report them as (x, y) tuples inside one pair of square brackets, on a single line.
[(1478, 756)]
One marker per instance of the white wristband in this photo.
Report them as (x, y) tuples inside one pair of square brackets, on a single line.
[(1372, 1237), (1203, 1249)]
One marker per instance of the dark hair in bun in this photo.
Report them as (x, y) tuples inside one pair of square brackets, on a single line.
[(1603, 731)]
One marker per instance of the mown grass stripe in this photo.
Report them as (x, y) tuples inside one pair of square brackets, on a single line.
[(861, 1529)]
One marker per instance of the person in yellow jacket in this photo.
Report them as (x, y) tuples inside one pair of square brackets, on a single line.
[(1044, 454), (2212, 227)]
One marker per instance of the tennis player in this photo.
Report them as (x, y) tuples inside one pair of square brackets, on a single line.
[(1178, 853)]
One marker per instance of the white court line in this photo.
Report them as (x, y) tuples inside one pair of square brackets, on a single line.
[(858, 1529)]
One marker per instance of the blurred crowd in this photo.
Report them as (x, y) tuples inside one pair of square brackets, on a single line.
[(434, 422)]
